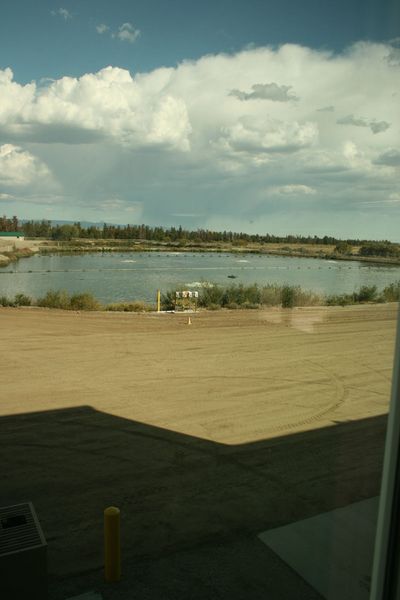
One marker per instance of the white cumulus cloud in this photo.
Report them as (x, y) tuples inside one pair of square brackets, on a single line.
[(102, 28), (295, 190), (254, 136), (62, 12), (109, 104), (127, 33), (19, 167)]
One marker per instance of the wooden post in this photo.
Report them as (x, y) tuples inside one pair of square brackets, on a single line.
[(158, 301)]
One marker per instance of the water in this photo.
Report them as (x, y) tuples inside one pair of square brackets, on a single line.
[(113, 277)]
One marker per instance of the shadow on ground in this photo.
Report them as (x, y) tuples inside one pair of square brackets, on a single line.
[(190, 508)]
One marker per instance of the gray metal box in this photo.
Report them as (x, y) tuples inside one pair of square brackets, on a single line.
[(23, 554)]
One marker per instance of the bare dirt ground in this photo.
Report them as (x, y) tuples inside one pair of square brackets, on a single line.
[(202, 434)]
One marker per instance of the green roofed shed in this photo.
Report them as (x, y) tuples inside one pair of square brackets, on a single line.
[(12, 234)]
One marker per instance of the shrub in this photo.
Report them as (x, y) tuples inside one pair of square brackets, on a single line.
[(239, 294), (168, 300), (343, 248), (214, 295), (55, 299), (271, 295), (380, 249), (84, 301), (250, 305), (253, 294), (366, 294), (4, 301), (233, 294), (213, 307), (22, 300), (232, 306), (307, 298), (136, 306), (391, 293), (288, 296), (339, 299)]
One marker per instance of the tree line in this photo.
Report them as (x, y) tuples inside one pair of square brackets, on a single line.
[(9, 224), (65, 232)]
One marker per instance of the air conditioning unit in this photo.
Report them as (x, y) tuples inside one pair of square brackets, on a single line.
[(23, 554)]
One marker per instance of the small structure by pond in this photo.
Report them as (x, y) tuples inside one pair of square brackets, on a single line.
[(12, 236)]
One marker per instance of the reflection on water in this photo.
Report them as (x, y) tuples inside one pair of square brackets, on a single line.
[(303, 320), (116, 276)]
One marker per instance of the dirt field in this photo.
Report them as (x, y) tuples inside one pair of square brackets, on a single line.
[(242, 421)]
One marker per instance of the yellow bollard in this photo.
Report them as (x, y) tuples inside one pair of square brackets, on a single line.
[(112, 547), (158, 301), (189, 321)]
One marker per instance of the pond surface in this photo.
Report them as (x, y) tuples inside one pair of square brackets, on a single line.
[(113, 277)]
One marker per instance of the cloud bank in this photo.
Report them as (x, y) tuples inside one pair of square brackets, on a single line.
[(210, 136)]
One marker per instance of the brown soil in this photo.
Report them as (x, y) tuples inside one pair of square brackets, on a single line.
[(241, 421)]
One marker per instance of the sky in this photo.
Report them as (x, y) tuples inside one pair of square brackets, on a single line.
[(262, 116)]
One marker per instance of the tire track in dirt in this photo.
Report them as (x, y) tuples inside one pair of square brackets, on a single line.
[(341, 395)]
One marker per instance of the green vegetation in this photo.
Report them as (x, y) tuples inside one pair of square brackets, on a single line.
[(343, 248), (142, 232), (84, 301), (55, 299), (9, 224), (249, 296), (77, 238), (364, 294), (137, 306), (384, 249), (183, 237), (168, 300), (215, 297), (391, 293), (8, 257), (61, 299), (19, 300), (287, 296), (22, 300)]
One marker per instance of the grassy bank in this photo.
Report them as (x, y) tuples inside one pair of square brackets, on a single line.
[(287, 296), (8, 257), (216, 297), (290, 250)]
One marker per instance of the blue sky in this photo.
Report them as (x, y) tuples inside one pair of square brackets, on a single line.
[(261, 116), (37, 43)]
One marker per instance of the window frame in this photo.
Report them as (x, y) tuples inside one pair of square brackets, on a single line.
[(385, 582)]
